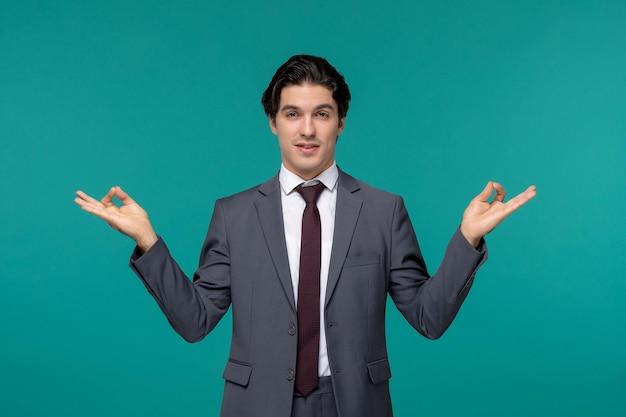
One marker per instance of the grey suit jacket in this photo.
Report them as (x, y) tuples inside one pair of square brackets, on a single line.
[(244, 265)]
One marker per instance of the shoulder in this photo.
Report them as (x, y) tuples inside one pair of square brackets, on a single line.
[(251, 194), (365, 191)]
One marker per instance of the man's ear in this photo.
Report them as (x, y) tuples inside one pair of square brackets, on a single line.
[(341, 125), (272, 121)]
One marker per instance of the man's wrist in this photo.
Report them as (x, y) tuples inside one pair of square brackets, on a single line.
[(144, 243), (474, 241)]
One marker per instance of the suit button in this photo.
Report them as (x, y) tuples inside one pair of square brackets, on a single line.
[(292, 330), (289, 375)]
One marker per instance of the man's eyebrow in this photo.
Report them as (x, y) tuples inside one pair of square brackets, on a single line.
[(318, 107)]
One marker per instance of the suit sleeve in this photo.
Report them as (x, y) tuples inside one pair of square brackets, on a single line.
[(192, 308), (430, 304)]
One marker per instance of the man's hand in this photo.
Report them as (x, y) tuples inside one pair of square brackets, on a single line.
[(481, 217), (129, 219)]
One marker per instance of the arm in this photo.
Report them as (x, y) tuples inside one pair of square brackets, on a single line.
[(193, 309), (431, 304)]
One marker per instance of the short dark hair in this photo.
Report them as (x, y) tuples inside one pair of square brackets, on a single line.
[(303, 69)]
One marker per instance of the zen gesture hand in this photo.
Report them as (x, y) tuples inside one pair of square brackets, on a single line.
[(481, 216), (130, 219)]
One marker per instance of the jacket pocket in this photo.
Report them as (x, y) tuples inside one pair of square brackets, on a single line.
[(362, 260), (237, 373), (379, 370)]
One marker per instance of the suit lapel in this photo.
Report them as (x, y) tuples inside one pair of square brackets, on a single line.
[(346, 215), (270, 212)]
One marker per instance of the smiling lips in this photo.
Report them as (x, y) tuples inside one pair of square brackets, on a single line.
[(307, 147)]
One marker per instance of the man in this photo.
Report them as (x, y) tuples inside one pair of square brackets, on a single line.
[(278, 260)]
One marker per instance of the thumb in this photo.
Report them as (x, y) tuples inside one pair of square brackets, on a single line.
[(485, 193)]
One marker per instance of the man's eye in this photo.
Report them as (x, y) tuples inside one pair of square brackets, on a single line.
[(323, 114), (291, 114)]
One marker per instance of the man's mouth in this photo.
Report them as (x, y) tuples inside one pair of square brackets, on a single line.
[(307, 147)]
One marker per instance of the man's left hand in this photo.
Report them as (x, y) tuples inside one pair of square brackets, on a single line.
[(481, 216)]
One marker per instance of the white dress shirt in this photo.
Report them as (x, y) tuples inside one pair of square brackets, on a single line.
[(293, 208)]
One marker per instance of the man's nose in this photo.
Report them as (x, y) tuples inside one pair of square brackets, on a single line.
[(307, 128)]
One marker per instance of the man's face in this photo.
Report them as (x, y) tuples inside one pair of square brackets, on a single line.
[(307, 125)]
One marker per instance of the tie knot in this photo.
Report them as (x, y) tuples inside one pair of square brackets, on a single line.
[(311, 193)]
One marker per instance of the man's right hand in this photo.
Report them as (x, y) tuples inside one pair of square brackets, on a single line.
[(129, 219)]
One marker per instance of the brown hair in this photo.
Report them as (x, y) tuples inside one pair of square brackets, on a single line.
[(302, 69)]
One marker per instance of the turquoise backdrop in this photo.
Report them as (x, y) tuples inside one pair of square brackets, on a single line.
[(163, 98)]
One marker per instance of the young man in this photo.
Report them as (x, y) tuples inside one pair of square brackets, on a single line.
[(308, 281)]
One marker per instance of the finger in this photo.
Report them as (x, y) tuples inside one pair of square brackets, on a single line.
[(123, 196), (107, 200), (85, 201), (85, 197), (500, 193), (485, 193), (529, 193), (80, 201), (94, 207), (521, 199)]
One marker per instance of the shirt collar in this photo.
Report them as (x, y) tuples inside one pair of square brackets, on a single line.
[(289, 181)]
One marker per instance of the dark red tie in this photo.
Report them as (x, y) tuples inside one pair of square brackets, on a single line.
[(309, 291)]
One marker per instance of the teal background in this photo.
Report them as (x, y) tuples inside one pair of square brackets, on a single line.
[(163, 98)]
